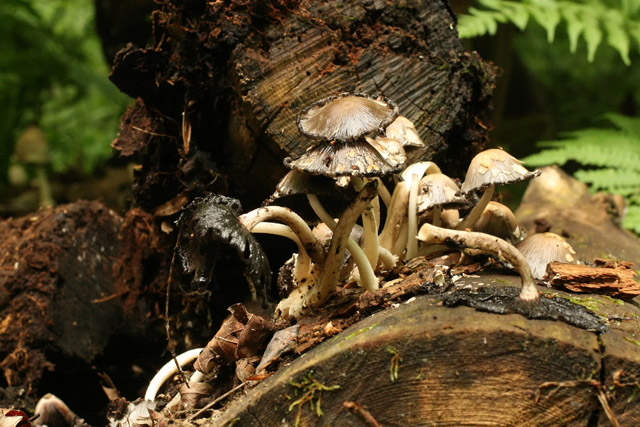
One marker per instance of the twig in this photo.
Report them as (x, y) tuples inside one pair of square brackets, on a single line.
[(363, 413), (218, 399)]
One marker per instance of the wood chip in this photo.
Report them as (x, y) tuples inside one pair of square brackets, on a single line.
[(607, 277)]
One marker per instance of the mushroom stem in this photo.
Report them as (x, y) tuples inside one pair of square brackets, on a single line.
[(303, 262), (481, 243), (369, 224), (383, 192), (436, 218), (294, 221), (477, 210), (367, 277), (168, 370), (412, 219), (398, 208), (335, 255)]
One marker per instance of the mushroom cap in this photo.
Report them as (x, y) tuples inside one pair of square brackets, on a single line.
[(357, 158), (499, 221), (404, 131), (437, 189), (492, 167), (346, 117), (542, 248), (295, 183), (390, 149)]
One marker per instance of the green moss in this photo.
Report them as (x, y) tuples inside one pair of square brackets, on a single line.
[(359, 331), (310, 391), (632, 341)]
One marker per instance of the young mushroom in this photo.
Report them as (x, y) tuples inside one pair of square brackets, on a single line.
[(487, 169), (498, 220), (541, 249), (475, 243)]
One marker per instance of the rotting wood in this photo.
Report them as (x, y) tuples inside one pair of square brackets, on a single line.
[(606, 277)]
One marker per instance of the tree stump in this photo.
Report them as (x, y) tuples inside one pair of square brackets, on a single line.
[(219, 92)]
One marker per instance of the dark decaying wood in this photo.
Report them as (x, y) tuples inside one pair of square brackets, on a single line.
[(55, 282), (242, 71)]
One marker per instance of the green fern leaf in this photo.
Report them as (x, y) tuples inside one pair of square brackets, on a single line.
[(575, 26), (617, 36), (546, 13), (627, 124), (593, 21), (615, 180), (632, 218)]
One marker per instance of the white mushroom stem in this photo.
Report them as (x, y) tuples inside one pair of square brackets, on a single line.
[(398, 207), (477, 210), (476, 243), (383, 192), (303, 261), (412, 219), (168, 370), (335, 255), (368, 278), (284, 215), (436, 216), (369, 224)]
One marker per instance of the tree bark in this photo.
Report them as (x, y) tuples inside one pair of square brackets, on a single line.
[(224, 82)]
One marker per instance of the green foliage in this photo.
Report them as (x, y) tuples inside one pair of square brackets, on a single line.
[(610, 158), (53, 73), (617, 22)]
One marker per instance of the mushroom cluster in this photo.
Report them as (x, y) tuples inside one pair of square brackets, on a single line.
[(360, 139)]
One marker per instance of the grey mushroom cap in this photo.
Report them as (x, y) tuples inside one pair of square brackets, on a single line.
[(357, 158), (390, 149), (346, 117), (495, 167), (498, 220), (404, 131), (438, 189), (541, 249), (297, 183)]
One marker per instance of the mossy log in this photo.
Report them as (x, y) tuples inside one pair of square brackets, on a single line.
[(424, 364)]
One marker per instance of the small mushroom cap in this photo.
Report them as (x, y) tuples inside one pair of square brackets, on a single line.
[(499, 221), (438, 189), (492, 167), (357, 158), (542, 248), (296, 183), (404, 131), (390, 149), (346, 117)]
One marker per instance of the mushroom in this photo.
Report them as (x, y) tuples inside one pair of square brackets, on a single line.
[(475, 243), (308, 296), (487, 169), (498, 220), (404, 131), (541, 249), (436, 191), (341, 124), (394, 235)]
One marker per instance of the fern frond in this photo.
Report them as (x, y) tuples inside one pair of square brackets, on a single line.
[(593, 21), (619, 181), (611, 158)]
